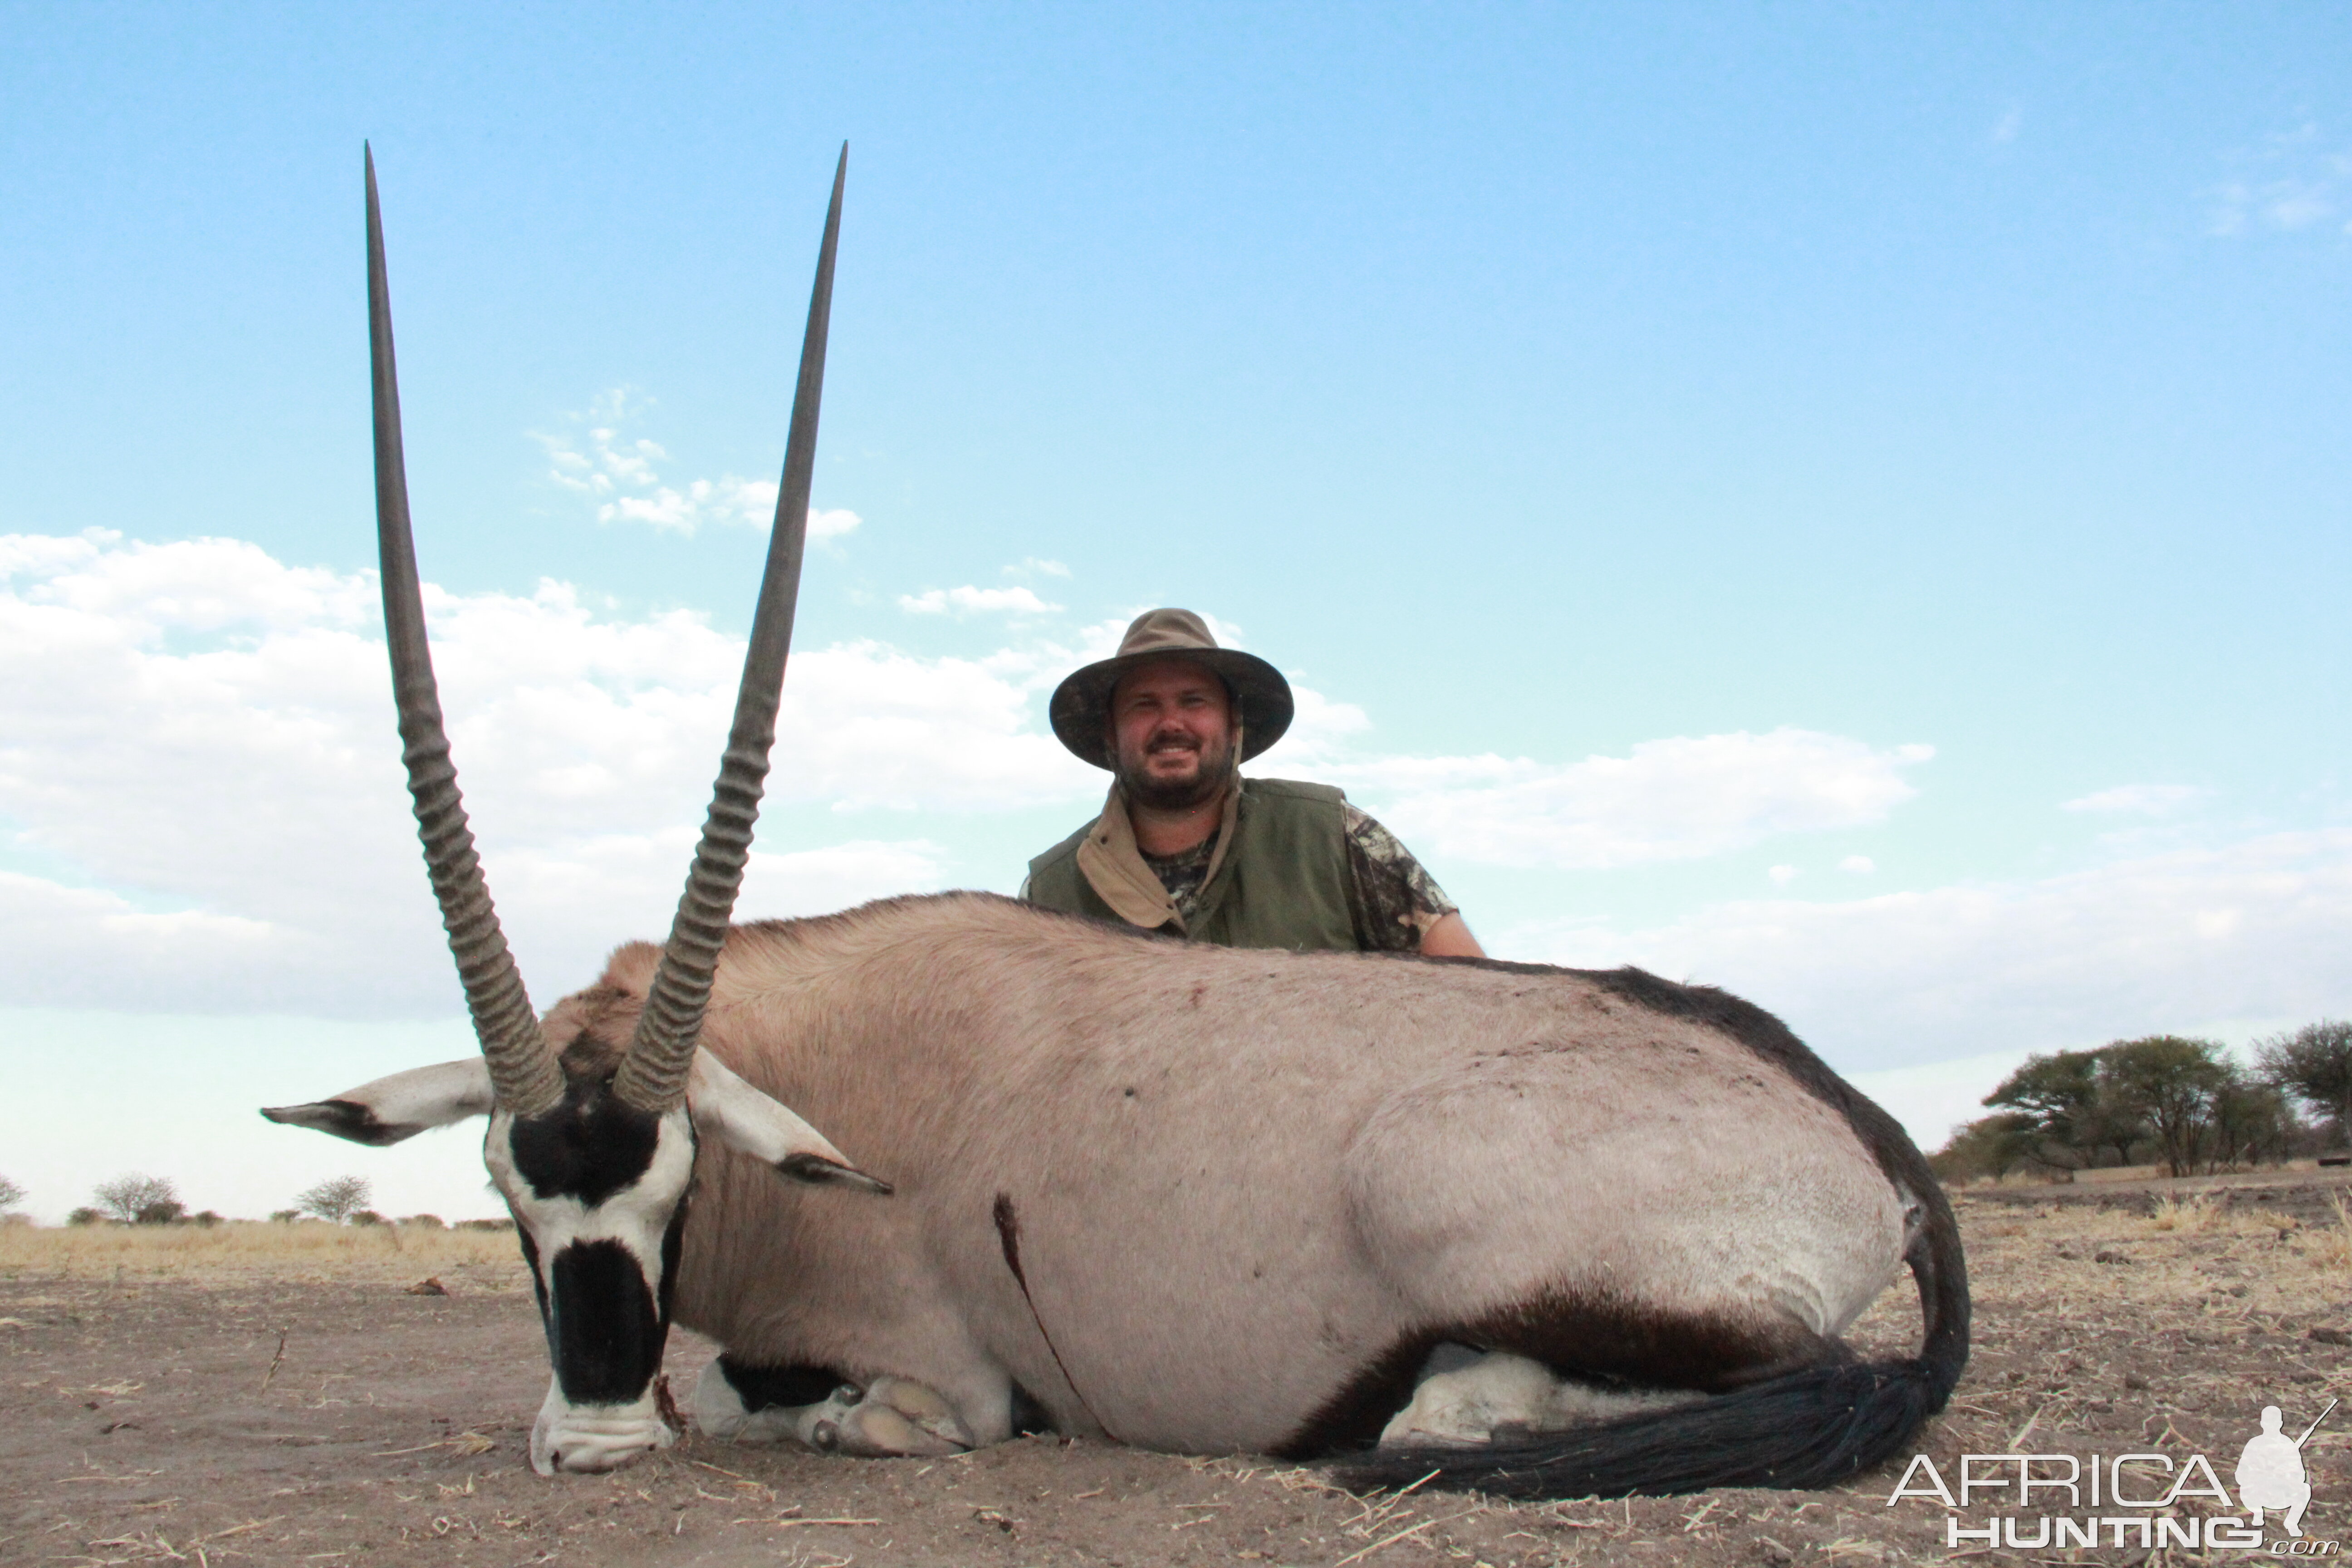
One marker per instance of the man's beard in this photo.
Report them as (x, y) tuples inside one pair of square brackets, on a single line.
[(1216, 771)]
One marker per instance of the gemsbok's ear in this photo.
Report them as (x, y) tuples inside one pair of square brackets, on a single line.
[(398, 1107), (750, 1123)]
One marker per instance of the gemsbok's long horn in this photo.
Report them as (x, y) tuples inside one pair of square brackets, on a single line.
[(522, 1070), (653, 1076)]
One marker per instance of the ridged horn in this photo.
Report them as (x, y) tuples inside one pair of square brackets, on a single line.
[(522, 1070), (653, 1077)]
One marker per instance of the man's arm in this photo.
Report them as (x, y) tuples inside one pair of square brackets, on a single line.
[(1450, 938), (1400, 907)]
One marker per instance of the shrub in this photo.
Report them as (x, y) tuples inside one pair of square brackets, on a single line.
[(424, 1221), (485, 1225), (336, 1199), (86, 1216), (162, 1210), (367, 1216), (129, 1198), (11, 1195), (285, 1217)]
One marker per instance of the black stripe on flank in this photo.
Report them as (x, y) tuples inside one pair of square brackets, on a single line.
[(605, 1330)]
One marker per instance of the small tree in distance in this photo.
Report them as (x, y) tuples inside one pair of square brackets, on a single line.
[(2315, 1065), (135, 1199), (336, 1199), (11, 1195)]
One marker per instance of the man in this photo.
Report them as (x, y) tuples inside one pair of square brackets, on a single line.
[(1186, 845)]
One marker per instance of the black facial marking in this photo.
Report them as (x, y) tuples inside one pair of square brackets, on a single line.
[(761, 1386), (673, 1243), (606, 1332), (589, 1147), (538, 1286)]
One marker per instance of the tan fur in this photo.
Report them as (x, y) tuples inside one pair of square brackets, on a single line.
[(1240, 1176)]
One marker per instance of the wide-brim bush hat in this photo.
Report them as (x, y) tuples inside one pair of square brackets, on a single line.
[(1081, 701)]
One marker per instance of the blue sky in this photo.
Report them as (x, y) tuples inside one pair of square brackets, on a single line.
[(1843, 502)]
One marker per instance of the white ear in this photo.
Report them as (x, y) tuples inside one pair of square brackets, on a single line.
[(398, 1107), (750, 1123)]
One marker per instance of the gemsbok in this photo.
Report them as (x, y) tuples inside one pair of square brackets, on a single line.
[(1544, 1232)]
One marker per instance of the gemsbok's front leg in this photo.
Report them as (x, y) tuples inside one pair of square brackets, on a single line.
[(890, 1417)]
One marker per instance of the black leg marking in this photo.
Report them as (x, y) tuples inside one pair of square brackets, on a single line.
[(1354, 1416), (762, 1386), (1030, 1419), (1008, 1236), (1586, 1337)]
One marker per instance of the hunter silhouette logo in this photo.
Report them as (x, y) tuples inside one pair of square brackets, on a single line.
[(2270, 1471), (2051, 1500)]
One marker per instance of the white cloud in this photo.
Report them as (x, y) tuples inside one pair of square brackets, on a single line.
[(1859, 865), (1679, 799), (1033, 567), (208, 733), (970, 600), (2159, 943), (2005, 129), (2288, 184), (2145, 800), (618, 473), (1782, 875)]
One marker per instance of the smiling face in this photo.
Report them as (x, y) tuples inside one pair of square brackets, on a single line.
[(1173, 734)]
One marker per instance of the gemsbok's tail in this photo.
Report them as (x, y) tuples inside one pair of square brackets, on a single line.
[(1808, 1428)]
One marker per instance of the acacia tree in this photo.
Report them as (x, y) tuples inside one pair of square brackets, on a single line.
[(2253, 1123), (11, 1195), (136, 1199), (2178, 1084), (1989, 1146), (336, 1199), (2315, 1065), (2066, 1111)]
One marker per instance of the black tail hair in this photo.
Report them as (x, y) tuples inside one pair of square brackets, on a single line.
[(1808, 1428)]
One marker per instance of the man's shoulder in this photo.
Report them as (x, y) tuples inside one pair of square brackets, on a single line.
[(1066, 849), (1296, 789)]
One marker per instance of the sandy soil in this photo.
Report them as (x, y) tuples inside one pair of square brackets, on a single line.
[(151, 1419)]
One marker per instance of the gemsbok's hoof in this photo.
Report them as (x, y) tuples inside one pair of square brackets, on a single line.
[(893, 1417)]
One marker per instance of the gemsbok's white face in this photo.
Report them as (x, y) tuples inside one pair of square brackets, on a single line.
[(592, 1140), (598, 1192)]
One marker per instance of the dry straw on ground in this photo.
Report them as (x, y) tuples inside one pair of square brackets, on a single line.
[(263, 1251)]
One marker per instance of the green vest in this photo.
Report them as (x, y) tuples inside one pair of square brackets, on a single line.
[(1284, 883)]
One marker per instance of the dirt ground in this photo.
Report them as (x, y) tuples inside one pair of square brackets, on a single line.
[(224, 1415)]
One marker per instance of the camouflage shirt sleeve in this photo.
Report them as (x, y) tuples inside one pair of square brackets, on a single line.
[(1396, 900)]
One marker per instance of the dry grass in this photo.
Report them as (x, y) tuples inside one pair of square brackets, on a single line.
[(2193, 1286), (258, 1251)]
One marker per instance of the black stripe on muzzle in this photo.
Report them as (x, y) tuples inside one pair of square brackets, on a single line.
[(604, 1331)]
